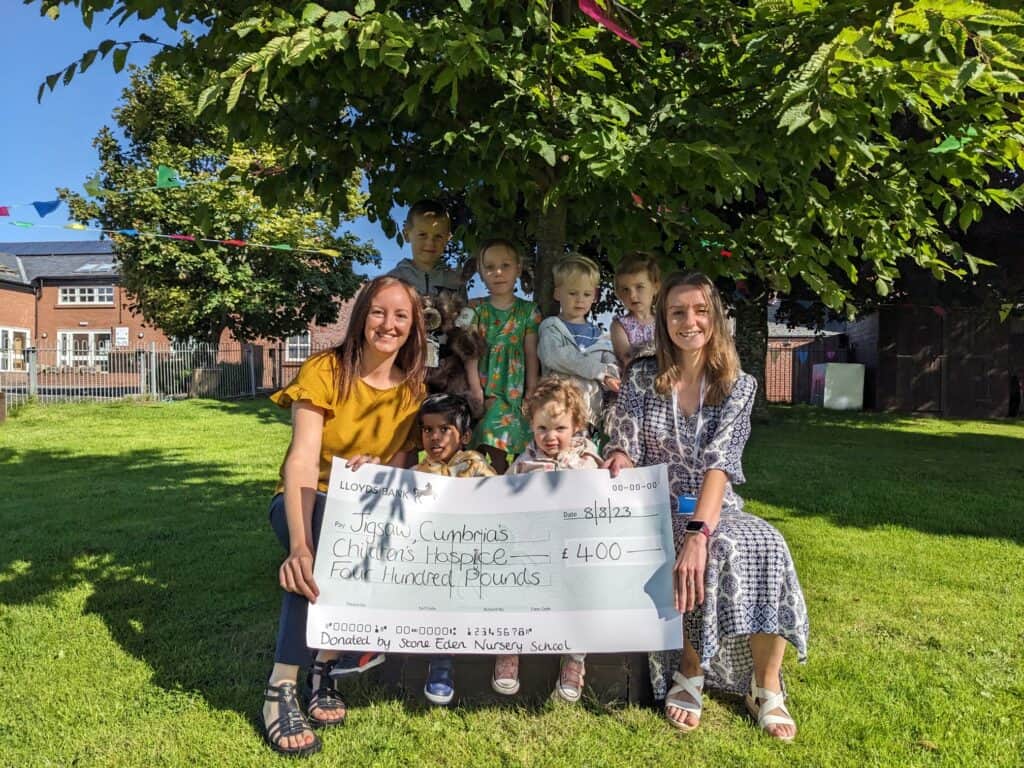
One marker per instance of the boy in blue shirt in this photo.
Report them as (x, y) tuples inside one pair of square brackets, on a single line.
[(572, 347)]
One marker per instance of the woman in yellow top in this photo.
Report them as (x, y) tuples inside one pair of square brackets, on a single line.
[(357, 401)]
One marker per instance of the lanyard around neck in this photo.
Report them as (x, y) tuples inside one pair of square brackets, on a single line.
[(700, 421)]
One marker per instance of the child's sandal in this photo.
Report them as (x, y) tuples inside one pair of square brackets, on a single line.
[(325, 696), (289, 722)]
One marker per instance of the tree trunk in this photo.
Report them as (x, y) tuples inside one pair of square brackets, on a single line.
[(752, 345), (550, 234)]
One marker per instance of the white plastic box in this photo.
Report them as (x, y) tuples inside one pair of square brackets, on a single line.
[(839, 386)]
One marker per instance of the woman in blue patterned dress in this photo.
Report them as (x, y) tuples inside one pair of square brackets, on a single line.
[(689, 407)]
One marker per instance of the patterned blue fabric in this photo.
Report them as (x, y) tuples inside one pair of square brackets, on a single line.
[(750, 584), (585, 334)]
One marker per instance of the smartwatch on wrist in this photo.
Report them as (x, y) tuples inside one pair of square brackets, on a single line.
[(698, 526)]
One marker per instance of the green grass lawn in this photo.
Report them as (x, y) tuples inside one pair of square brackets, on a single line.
[(138, 602)]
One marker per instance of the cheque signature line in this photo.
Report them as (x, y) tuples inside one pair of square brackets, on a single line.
[(547, 537)]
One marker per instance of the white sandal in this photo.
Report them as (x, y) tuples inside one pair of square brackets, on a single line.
[(692, 686), (769, 700)]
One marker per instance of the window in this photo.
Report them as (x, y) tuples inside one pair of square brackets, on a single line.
[(88, 294), (296, 349), (13, 342), (89, 348)]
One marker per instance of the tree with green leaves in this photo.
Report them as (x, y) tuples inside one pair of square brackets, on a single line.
[(777, 142), (178, 175)]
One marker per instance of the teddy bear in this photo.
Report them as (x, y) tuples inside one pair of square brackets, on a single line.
[(452, 339)]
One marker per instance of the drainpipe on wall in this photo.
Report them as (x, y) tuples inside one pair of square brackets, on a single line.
[(37, 291)]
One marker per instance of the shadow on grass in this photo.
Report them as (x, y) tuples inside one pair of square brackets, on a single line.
[(260, 407), (179, 556), (872, 470)]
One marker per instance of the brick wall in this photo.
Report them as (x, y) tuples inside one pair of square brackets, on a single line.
[(54, 317), (781, 369), (332, 335), (17, 308)]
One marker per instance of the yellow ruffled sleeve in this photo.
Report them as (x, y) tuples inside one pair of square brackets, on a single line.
[(315, 383)]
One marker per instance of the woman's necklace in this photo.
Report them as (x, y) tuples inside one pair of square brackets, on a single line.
[(700, 420)]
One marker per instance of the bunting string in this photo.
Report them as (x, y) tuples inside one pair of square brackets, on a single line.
[(166, 178), (332, 252)]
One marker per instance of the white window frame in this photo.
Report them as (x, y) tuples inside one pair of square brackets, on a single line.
[(77, 295), (93, 356), (294, 345), (8, 357)]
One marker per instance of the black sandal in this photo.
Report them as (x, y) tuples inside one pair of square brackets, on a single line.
[(325, 696), (289, 722)]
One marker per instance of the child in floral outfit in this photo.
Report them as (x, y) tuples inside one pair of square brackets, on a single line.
[(509, 369)]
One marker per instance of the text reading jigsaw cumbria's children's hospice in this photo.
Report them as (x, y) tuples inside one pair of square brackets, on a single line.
[(534, 563)]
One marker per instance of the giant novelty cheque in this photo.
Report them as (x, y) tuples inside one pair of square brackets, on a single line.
[(544, 562)]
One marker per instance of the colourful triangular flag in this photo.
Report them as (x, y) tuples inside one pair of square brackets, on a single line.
[(24, 224), (167, 178), (236, 243), (600, 15), (46, 207), (75, 225), (128, 232), (281, 247), (93, 188), (4, 210), (189, 238), (951, 144)]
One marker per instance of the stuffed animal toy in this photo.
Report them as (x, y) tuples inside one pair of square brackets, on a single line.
[(451, 341)]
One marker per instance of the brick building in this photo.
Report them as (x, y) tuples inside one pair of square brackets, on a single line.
[(66, 297), (793, 352)]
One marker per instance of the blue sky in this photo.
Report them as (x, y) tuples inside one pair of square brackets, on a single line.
[(49, 144)]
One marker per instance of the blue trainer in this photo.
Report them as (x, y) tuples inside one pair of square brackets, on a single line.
[(440, 688), (354, 662)]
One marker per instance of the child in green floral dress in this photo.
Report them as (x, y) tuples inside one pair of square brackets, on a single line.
[(509, 369)]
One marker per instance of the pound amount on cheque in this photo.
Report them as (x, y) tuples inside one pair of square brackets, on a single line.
[(599, 551), (632, 550)]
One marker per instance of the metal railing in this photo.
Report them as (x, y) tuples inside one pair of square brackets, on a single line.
[(66, 373), (69, 374)]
